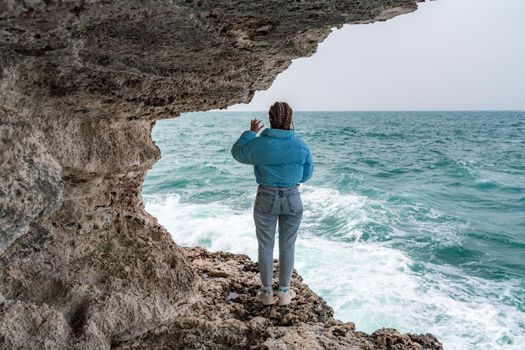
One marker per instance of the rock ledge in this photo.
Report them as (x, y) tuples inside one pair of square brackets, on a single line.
[(224, 315)]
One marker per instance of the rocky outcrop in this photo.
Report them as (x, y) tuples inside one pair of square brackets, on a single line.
[(226, 316), (83, 265)]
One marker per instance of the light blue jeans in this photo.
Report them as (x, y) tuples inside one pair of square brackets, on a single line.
[(272, 205)]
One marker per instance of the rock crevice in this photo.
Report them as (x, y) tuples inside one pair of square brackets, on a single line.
[(83, 266)]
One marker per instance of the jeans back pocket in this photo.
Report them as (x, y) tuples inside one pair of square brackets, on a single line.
[(295, 202), (264, 202)]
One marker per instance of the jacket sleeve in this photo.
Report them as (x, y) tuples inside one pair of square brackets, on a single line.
[(241, 148), (308, 167)]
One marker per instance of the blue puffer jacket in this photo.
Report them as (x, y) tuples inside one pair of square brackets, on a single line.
[(279, 157)]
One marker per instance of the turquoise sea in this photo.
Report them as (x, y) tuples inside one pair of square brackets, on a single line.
[(412, 220)]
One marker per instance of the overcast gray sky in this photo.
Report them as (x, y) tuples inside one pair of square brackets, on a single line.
[(447, 55)]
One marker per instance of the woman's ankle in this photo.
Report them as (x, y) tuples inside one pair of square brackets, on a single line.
[(284, 289), (267, 289)]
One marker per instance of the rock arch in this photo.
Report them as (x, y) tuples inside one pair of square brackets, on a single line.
[(82, 83)]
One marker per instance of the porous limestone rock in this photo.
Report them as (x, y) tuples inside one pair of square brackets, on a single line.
[(83, 266), (226, 316), (32, 183)]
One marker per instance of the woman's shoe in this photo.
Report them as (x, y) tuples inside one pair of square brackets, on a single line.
[(267, 298), (286, 297)]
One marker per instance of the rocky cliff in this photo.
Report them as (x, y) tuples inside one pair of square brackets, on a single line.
[(83, 266)]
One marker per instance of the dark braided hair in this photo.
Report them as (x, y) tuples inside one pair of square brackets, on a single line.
[(280, 116)]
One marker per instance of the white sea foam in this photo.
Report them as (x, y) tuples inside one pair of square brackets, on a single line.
[(326, 204), (366, 282), (373, 286), (213, 225)]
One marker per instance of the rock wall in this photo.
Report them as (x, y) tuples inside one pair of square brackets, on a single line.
[(83, 266)]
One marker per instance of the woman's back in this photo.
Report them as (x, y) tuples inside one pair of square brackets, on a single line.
[(279, 157)]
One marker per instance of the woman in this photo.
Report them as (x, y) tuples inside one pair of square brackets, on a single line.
[(281, 161)]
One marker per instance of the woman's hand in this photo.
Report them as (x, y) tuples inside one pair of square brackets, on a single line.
[(256, 125)]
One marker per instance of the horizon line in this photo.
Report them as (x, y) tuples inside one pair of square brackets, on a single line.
[(377, 110)]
